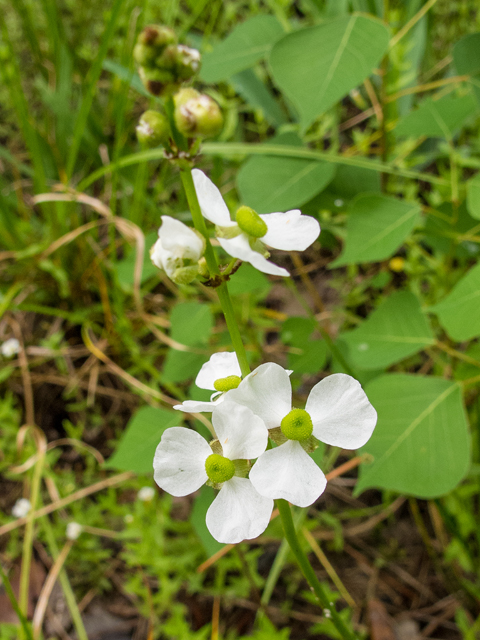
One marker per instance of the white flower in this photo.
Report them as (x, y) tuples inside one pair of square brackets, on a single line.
[(146, 494), (337, 412), (218, 374), (288, 231), (177, 250), (184, 461), (74, 529), (21, 507), (10, 348)]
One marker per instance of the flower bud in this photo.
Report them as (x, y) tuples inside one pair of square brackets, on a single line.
[(158, 82), (153, 129), (151, 43), (198, 116)]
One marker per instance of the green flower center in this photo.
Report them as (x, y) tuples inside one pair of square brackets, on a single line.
[(297, 425), (249, 221), (219, 469), (225, 384)]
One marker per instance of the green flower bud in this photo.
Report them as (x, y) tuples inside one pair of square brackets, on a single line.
[(249, 221), (184, 275), (154, 39), (199, 116), (152, 129), (203, 268), (157, 81), (297, 425), (225, 384), (219, 469)]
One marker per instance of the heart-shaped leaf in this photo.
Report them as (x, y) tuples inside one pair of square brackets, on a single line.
[(394, 331), (421, 444), (317, 66), (376, 228)]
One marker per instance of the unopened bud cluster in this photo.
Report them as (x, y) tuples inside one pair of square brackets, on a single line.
[(163, 63)]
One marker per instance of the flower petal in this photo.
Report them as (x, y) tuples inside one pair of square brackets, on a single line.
[(199, 406), (341, 412), (290, 231), (179, 463), (288, 472), (239, 247), (210, 199), (238, 512), (242, 434), (220, 365), (267, 392), (180, 240)]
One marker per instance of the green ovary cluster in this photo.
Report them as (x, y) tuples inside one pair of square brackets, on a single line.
[(297, 425), (219, 469), (250, 222), (225, 384)]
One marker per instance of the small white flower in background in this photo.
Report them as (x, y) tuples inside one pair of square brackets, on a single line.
[(10, 348), (220, 374), (146, 494), (178, 250), (128, 519), (337, 413), (74, 529), (184, 461), (245, 238), (21, 507)]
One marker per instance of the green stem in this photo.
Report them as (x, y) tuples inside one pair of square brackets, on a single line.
[(15, 606), (28, 537), (309, 573), (222, 290)]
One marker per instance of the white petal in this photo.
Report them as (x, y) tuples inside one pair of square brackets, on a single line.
[(210, 199), (159, 255), (288, 472), (267, 392), (290, 231), (242, 434), (341, 413), (220, 365), (198, 406), (179, 463), (238, 512), (180, 240), (239, 247)]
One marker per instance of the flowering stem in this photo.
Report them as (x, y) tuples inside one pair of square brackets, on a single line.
[(222, 290), (308, 572)]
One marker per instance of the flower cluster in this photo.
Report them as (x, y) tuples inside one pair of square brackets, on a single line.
[(247, 415), (244, 238)]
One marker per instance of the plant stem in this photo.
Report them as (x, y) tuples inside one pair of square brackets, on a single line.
[(222, 290), (308, 572)]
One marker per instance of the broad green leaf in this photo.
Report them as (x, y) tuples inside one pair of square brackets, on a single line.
[(473, 197), (258, 95), (191, 322), (459, 312), (350, 181), (248, 43), (272, 183), (297, 330), (376, 228), (317, 66), (182, 365), (466, 58), (394, 331), (126, 266), (444, 232), (137, 445), (421, 444), (311, 359), (437, 118), (197, 518), (249, 280)]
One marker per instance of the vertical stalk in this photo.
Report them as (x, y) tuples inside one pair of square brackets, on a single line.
[(222, 290), (309, 573)]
